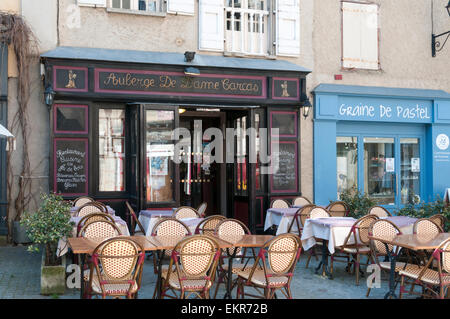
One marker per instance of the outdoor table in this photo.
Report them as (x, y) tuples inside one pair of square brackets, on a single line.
[(414, 242), (86, 246), (62, 243), (74, 209), (243, 241), (280, 217), (149, 217)]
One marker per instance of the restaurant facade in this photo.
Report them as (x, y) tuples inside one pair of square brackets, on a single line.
[(113, 115), (390, 143)]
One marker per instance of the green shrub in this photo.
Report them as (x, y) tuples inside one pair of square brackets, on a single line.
[(358, 202), (48, 225)]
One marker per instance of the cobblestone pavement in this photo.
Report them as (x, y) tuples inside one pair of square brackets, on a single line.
[(20, 278)]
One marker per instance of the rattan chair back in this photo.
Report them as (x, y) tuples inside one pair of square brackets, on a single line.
[(202, 209), (80, 201), (319, 212), (89, 208), (301, 201), (93, 218), (427, 227), (379, 211), (305, 213), (279, 203), (440, 220), (234, 229), (338, 209), (170, 227), (360, 230), (209, 224), (185, 212), (383, 229), (100, 229), (134, 219)]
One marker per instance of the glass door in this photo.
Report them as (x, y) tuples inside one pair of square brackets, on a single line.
[(410, 170)]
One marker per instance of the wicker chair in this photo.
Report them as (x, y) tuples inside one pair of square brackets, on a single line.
[(279, 203), (192, 268), (232, 227), (202, 209), (93, 218), (298, 221), (273, 269), (379, 211), (426, 226), (89, 208), (101, 206), (356, 244), (209, 224), (439, 219), (100, 229), (338, 209), (118, 264), (80, 201), (427, 276), (185, 212), (134, 221), (301, 201)]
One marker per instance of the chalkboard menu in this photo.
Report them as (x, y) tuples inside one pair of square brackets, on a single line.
[(284, 175), (70, 165)]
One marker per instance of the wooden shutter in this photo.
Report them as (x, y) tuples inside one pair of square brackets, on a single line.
[(186, 7), (211, 24), (360, 36), (92, 3), (288, 27)]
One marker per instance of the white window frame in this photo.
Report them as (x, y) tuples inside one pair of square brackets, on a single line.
[(359, 65), (134, 7)]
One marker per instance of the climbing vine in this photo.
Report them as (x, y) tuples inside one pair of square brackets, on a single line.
[(15, 32)]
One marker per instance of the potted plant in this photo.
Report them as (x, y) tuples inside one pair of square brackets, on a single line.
[(45, 228)]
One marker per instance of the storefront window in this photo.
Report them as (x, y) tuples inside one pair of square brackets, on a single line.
[(160, 149), (241, 152), (347, 163), (379, 169), (410, 170), (111, 149)]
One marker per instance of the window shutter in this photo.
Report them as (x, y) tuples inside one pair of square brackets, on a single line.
[(211, 25), (186, 7), (288, 27), (360, 36), (92, 3)]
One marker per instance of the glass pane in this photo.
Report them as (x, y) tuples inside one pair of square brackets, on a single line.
[(160, 148), (241, 152), (111, 150), (258, 149), (379, 169), (410, 170), (71, 119), (126, 4), (116, 4), (347, 163)]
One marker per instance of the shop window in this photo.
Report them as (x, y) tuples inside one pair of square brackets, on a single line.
[(160, 152), (360, 42), (111, 150), (410, 170), (346, 163), (379, 169)]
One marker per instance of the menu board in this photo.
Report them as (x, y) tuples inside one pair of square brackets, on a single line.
[(284, 175), (70, 165)]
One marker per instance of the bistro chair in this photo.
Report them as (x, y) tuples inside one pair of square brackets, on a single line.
[(134, 221), (427, 227), (338, 209), (299, 219), (279, 203), (100, 229), (89, 208), (93, 218), (192, 268), (379, 211), (102, 206), (80, 201), (185, 212), (273, 269), (202, 209), (430, 277), (387, 230), (301, 201), (235, 229), (209, 224), (356, 244), (116, 268), (439, 219), (316, 212)]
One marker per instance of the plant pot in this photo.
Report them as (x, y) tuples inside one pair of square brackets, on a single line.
[(53, 278), (19, 234)]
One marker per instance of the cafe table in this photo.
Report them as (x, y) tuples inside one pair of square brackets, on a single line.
[(413, 242), (242, 241), (85, 246), (280, 217), (62, 243)]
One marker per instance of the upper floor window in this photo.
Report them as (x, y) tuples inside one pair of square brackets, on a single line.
[(360, 41), (250, 27), (185, 7), (141, 5)]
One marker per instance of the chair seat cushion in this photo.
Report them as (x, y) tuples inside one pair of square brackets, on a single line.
[(387, 265), (188, 284), (259, 279), (113, 288), (430, 276), (238, 267), (352, 250)]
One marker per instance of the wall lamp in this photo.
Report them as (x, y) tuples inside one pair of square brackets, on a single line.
[(436, 45), (49, 95), (305, 105)]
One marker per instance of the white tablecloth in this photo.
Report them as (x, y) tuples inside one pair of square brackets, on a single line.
[(336, 229), (280, 217), (63, 245)]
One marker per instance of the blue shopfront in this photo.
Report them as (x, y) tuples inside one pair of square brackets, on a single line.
[(390, 143)]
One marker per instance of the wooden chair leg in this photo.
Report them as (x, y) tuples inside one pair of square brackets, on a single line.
[(357, 269)]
